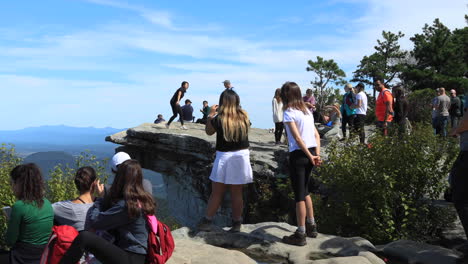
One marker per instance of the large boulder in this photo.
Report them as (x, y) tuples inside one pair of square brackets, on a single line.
[(185, 158), (419, 253), (262, 242)]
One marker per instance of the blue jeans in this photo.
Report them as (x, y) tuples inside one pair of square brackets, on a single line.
[(441, 128)]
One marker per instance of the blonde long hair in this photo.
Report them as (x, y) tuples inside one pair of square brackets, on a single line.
[(234, 121)]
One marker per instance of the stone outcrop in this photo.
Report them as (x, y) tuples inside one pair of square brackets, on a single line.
[(414, 252), (262, 243), (185, 159)]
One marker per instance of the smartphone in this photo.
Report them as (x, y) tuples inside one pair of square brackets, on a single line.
[(7, 211)]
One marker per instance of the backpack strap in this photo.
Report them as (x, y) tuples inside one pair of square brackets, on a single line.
[(45, 254), (152, 223)]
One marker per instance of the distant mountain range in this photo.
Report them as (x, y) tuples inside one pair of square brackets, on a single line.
[(48, 146), (72, 140)]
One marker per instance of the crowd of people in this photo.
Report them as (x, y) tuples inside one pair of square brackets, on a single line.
[(111, 220)]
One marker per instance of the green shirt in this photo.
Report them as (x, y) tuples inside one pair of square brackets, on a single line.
[(30, 224)]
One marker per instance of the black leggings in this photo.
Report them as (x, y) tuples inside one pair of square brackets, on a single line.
[(347, 120), (176, 110), (103, 250), (300, 168), (278, 131), (359, 122)]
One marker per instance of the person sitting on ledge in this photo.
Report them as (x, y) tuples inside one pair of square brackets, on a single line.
[(73, 212), (121, 157), (32, 217), (205, 111), (159, 119), (122, 210), (187, 111)]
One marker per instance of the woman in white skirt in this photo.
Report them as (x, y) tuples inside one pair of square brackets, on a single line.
[(231, 167)]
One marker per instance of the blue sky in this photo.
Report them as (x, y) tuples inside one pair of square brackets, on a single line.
[(117, 63)]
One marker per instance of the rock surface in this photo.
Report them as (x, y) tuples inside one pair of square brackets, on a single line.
[(414, 253), (194, 252), (185, 159), (262, 242)]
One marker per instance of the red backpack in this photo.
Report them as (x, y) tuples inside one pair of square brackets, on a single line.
[(61, 239), (160, 241)]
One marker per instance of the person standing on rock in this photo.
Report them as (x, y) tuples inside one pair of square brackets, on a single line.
[(304, 154), (277, 105), (228, 85), (175, 105), (348, 113), (455, 110), (442, 107), (401, 108), (383, 107), (361, 110), (231, 167)]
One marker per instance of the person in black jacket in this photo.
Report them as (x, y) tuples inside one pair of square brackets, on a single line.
[(455, 110), (175, 104), (400, 109)]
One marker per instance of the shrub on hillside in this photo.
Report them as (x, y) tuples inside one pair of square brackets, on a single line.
[(8, 160), (61, 186), (383, 192)]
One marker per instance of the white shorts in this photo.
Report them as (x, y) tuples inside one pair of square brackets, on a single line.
[(232, 167)]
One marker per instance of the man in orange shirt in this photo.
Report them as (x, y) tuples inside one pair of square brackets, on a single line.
[(383, 106)]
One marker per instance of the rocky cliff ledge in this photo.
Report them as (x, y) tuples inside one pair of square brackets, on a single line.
[(185, 159)]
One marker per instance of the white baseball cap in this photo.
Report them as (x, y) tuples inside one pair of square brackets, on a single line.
[(119, 158)]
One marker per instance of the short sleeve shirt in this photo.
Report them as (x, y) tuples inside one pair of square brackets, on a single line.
[(305, 125), (380, 108), (443, 103), (176, 94), (362, 110), (221, 143)]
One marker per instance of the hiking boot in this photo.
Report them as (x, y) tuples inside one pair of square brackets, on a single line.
[(311, 230), (204, 225), (236, 227), (183, 128), (296, 239), (167, 125)]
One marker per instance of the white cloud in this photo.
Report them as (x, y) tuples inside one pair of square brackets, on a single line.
[(255, 66)]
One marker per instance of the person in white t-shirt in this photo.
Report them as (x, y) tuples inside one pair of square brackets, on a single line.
[(361, 110), (304, 148), (277, 105)]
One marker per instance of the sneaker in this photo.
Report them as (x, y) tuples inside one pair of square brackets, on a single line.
[(204, 225), (311, 230), (183, 128), (236, 227), (167, 125), (296, 239)]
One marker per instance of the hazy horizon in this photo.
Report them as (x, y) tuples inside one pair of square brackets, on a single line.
[(116, 63)]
